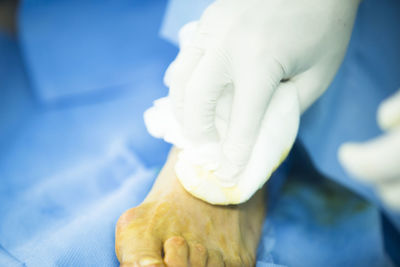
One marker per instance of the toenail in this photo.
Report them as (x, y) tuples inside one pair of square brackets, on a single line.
[(148, 261)]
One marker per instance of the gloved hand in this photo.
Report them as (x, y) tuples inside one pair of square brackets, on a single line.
[(377, 162), (253, 48)]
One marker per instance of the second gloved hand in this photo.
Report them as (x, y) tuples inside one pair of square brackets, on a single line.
[(377, 162), (252, 48)]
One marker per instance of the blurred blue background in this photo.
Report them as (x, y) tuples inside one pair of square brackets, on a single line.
[(75, 79)]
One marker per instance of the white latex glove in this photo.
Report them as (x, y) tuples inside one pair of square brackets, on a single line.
[(252, 48), (377, 162), (196, 164)]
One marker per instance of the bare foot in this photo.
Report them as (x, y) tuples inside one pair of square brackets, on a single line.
[(173, 228)]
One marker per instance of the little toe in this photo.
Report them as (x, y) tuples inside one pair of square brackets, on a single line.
[(215, 259), (176, 252), (197, 255)]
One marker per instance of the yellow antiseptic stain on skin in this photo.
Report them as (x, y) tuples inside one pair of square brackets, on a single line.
[(231, 195), (205, 185), (203, 176)]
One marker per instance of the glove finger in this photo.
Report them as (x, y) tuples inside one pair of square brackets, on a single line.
[(209, 32), (390, 194), (375, 161), (186, 36), (181, 72), (389, 112), (205, 86), (252, 93), (169, 73)]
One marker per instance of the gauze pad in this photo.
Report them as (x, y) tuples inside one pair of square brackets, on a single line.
[(196, 164)]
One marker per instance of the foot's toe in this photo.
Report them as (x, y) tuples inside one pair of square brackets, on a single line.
[(176, 252), (197, 255), (146, 256), (135, 246), (215, 259), (139, 250)]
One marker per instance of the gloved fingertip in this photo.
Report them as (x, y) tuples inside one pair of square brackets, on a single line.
[(348, 156), (345, 153), (187, 32), (168, 74), (388, 115), (383, 117), (390, 195)]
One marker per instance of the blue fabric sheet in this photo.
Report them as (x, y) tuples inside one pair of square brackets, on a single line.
[(75, 153), (67, 173), (316, 222)]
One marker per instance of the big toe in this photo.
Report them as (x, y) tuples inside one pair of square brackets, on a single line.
[(142, 252), (137, 248)]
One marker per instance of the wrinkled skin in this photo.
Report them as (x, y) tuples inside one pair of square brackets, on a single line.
[(173, 228)]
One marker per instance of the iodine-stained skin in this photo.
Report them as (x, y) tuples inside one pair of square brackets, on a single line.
[(174, 228)]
